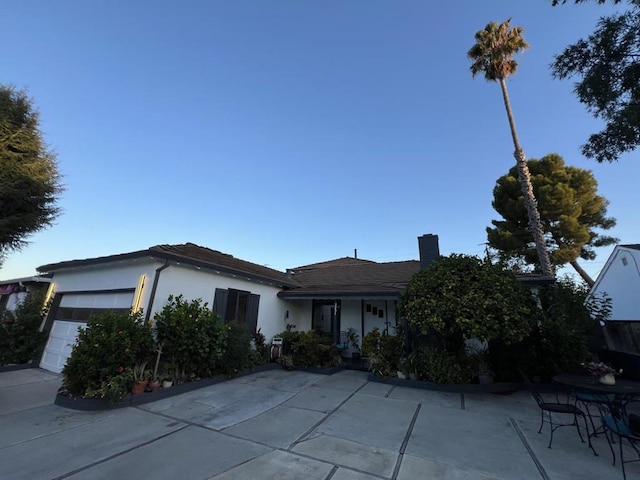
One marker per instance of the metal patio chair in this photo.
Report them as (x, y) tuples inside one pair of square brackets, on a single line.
[(557, 407)]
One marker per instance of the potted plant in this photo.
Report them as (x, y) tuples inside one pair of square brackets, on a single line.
[(140, 378), (603, 372), (155, 382), (354, 342)]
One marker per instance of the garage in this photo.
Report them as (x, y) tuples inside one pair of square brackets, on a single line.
[(72, 313)]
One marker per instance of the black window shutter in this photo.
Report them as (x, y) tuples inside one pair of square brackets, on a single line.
[(252, 313), (220, 302)]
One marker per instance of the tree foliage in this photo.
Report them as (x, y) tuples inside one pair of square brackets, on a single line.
[(29, 178), (570, 209), (607, 64), (462, 296), (492, 55)]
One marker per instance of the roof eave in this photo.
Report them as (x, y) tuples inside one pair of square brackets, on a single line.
[(152, 254)]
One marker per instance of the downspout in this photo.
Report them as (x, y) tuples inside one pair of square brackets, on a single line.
[(154, 287)]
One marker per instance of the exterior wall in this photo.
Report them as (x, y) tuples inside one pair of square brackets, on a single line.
[(300, 313), (195, 283), (105, 277), (621, 283), (189, 281)]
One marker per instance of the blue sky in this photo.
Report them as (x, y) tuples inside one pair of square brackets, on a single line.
[(288, 132)]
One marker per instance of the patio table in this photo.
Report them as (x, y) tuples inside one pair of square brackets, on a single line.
[(584, 383)]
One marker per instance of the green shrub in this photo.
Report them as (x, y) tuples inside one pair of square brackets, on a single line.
[(20, 337), (237, 354), (559, 341), (289, 337), (384, 351), (462, 296), (259, 353), (312, 349), (110, 344), (192, 336), (442, 367)]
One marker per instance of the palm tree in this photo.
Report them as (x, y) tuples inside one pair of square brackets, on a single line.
[(492, 56)]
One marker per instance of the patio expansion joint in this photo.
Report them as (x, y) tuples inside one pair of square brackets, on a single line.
[(331, 473), (403, 447), (535, 459), (116, 455), (302, 437)]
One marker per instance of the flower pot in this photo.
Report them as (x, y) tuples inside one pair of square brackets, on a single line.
[(167, 383), (485, 378), (608, 379), (155, 385), (139, 387), (401, 375)]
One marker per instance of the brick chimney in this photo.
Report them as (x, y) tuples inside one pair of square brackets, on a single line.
[(429, 250)]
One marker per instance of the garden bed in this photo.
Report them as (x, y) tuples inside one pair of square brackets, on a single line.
[(18, 366), (89, 404), (322, 371), (503, 388)]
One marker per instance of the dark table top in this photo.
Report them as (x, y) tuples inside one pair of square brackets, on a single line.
[(588, 383)]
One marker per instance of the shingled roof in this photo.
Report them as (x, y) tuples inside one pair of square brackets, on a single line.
[(351, 277), (187, 253)]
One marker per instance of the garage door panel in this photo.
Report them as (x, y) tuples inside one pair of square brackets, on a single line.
[(60, 344), (79, 307), (97, 300)]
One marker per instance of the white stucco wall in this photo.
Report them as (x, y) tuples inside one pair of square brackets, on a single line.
[(195, 283), (189, 281), (107, 277), (621, 283), (299, 315)]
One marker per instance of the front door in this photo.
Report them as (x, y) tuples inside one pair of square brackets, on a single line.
[(326, 318)]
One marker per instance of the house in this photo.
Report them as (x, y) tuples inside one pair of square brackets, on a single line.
[(239, 290), (329, 296), (13, 291), (353, 293), (619, 280)]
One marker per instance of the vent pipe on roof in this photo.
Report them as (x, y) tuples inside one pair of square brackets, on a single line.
[(355, 253), (429, 249)]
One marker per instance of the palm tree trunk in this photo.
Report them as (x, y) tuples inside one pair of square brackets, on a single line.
[(585, 276), (535, 225)]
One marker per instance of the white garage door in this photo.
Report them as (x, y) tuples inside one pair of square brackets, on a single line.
[(75, 307)]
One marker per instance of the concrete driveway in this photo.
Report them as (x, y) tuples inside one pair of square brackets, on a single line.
[(289, 425)]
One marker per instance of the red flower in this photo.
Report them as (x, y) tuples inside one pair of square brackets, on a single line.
[(120, 369)]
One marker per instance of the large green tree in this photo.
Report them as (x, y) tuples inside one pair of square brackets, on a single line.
[(492, 56), (29, 177), (461, 296), (570, 209), (607, 65)]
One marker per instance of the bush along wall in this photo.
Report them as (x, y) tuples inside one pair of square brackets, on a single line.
[(107, 350), (20, 337), (193, 338)]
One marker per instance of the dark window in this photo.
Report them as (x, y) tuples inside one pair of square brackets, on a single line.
[(77, 314), (237, 306), (3, 302)]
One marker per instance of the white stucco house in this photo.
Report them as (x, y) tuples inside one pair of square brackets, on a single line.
[(619, 280), (14, 291), (328, 296)]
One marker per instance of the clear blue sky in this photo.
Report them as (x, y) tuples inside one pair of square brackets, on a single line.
[(287, 132)]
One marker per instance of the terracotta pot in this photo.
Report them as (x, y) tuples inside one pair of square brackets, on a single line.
[(139, 387), (155, 384)]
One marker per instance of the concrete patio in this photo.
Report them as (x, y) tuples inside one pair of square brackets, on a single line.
[(290, 425)]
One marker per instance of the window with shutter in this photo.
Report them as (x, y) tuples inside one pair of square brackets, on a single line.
[(237, 306)]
